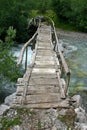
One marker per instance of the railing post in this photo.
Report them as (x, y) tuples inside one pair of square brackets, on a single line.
[(26, 58), (67, 83), (63, 63)]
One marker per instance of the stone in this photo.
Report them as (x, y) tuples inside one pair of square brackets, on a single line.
[(9, 99), (62, 112), (81, 126), (16, 128), (54, 128), (81, 115), (67, 116), (3, 108), (78, 100)]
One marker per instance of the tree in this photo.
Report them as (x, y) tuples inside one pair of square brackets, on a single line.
[(72, 12)]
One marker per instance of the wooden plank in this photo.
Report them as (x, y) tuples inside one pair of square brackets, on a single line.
[(44, 66), (44, 63), (59, 104), (43, 71), (19, 89), (42, 98), (43, 81), (38, 89), (34, 75), (44, 47), (43, 53), (46, 58), (44, 43)]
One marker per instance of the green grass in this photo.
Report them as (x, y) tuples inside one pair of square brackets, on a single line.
[(7, 123)]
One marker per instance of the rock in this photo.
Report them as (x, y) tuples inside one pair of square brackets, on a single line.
[(81, 115), (68, 116), (65, 45), (78, 100), (81, 126), (3, 108), (62, 112), (9, 99), (16, 128), (54, 128)]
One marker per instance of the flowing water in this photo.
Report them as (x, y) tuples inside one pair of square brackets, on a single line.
[(7, 87), (75, 51)]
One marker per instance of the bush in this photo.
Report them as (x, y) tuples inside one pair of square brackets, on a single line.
[(7, 61), (72, 12)]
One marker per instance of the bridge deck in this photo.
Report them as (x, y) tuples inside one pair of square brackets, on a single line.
[(40, 86)]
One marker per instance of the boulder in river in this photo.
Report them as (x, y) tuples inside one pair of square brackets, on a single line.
[(9, 99), (3, 108)]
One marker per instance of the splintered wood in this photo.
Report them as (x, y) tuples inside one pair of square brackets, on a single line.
[(41, 85)]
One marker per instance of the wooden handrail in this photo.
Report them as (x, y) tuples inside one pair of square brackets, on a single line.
[(24, 47), (64, 64), (67, 70)]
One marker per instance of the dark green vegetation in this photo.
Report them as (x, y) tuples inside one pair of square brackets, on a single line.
[(8, 67), (72, 12), (7, 61), (7, 123), (17, 14)]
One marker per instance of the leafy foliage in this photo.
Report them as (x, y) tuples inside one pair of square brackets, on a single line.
[(14, 13), (7, 61), (72, 12), (7, 123)]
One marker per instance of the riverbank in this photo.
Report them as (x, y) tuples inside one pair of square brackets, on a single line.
[(71, 118), (73, 34)]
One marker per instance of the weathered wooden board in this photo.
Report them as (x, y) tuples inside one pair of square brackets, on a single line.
[(46, 58), (60, 104), (38, 89), (41, 98), (45, 63), (43, 81), (45, 66), (55, 104), (44, 48), (44, 43), (44, 54), (43, 71), (34, 75)]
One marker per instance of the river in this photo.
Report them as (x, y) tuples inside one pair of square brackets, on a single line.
[(7, 87), (75, 51)]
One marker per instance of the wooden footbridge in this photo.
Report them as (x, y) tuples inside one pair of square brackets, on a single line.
[(46, 79)]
